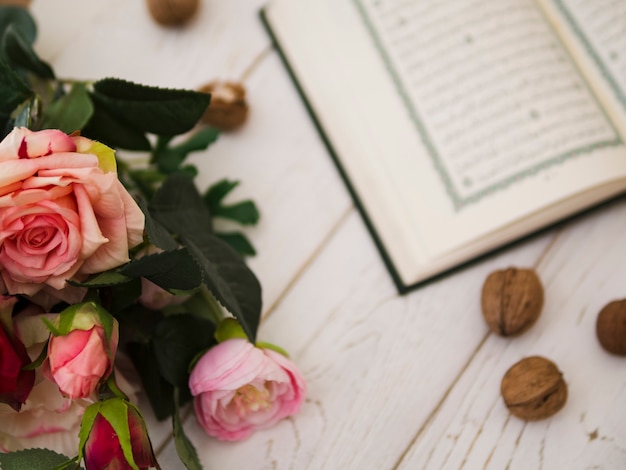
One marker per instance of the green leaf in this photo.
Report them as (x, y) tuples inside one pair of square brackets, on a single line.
[(178, 206), (13, 90), (198, 141), (19, 52), (116, 132), (230, 281), (244, 212), (217, 191), (157, 234), (169, 159), (71, 112), (184, 448), (169, 269), (177, 340), (107, 278), (159, 391), (20, 19), (150, 109), (32, 459), (124, 295), (238, 241)]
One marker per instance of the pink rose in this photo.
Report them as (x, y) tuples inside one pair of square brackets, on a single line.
[(239, 388), (63, 211), (82, 359)]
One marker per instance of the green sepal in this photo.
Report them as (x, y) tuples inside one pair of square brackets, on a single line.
[(82, 316), (273, 347), (40, 358), (229, 328)]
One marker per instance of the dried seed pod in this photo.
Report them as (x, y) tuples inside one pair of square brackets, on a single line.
[(611, 327), (228, 108), (172, 12), (534, 389), (511, 300)]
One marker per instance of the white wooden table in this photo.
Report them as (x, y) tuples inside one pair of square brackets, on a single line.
[(405, 382)]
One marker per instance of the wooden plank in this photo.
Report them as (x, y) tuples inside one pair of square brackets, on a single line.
[(582, 271), (377, 364)]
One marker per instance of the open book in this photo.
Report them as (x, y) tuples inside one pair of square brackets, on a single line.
[(461, 125)]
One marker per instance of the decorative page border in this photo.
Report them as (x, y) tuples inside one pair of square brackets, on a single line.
[(604, 70), (460, 202)]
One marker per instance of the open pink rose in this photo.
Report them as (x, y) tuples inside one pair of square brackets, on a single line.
[(63, 211), (239, 388)]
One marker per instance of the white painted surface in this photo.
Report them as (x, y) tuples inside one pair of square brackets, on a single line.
[(394, 382)]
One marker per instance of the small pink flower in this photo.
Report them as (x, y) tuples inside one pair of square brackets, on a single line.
[(239, 388), (81, 359), (63, 211)]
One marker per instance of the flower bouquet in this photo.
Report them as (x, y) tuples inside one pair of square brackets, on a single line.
[(106, 260)]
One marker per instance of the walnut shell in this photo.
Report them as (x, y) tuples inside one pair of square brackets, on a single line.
[(611, 327), (228, 109), (511, 300), (172, 12), (17, 3), (533, 389)]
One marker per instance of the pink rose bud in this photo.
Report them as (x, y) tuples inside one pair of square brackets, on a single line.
[(63, 211), (104, 448), (15, 383), (239, 388), (81, 349)]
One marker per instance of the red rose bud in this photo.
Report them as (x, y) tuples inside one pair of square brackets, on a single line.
[(116, 438), (15, 383), (82, 349)]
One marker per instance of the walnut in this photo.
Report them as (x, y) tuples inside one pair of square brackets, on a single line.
[(534, 389), (172, 12), (511, 300), (611, 327), (228, 109)]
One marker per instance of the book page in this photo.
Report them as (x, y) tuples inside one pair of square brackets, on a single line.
[(457, 122), (595, 33), (492, 95)]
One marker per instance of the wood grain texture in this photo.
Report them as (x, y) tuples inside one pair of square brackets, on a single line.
[(394, 382)]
